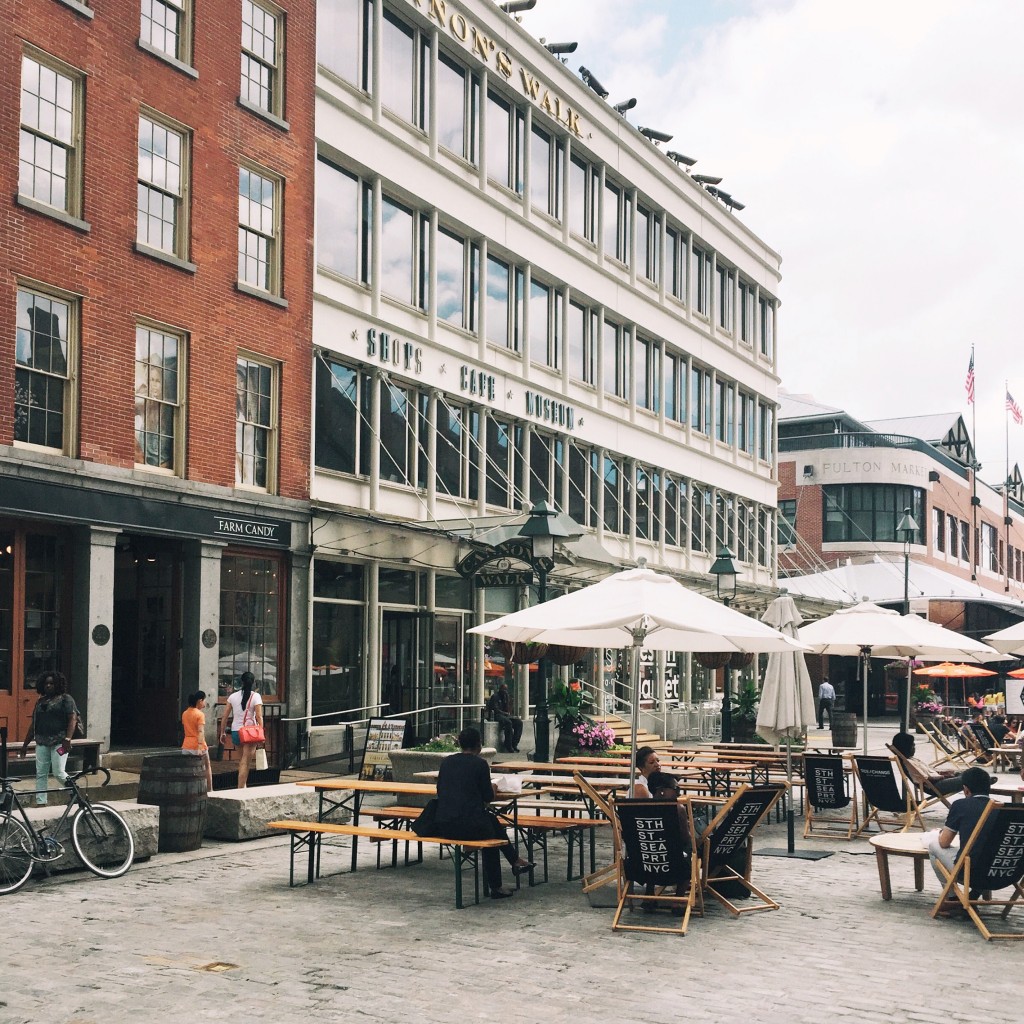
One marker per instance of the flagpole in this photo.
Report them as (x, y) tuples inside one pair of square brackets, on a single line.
[(974, 477), (1006, 487)]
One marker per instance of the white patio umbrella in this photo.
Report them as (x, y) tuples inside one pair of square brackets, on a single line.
[(869, 631), (1009, 640), (638, 608), (786, 710)]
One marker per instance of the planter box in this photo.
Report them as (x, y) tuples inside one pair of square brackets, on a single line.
[(405, 764)]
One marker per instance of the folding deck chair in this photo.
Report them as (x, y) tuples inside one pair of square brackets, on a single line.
[(826, 788), (991, 860), (944, 748), (610, 872), (927, 793), (726, 845), (656, 852), (888, 793)]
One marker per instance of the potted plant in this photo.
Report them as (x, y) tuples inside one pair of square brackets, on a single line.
[(593, 739), (744, 712), (924, 703), (566, 706)]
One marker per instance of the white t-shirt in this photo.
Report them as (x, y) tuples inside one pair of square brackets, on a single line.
[(235, 703)]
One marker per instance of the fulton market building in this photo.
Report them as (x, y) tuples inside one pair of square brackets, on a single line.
[(519, 299)]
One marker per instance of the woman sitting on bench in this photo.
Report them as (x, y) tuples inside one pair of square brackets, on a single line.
[(464, 790)]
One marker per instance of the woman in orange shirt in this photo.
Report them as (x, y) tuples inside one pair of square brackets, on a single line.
[(194, 721)]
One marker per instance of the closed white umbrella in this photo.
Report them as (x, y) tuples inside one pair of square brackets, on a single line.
[(1009, 640), (638, 608), (786, 710), (869, 631)]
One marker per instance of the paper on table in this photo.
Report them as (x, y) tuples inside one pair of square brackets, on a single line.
[(509, 784)]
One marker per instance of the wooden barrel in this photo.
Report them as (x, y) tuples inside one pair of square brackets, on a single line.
[(844, 729), (176, 783)]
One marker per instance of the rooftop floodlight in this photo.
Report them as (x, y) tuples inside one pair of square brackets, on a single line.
[(592, 81), (719, 193), (707, 179), (654, 135), (624, 105), (557, 48), (518, 6), (686, 161)]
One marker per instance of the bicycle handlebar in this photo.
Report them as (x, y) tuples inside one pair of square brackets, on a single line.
[(75, 776)]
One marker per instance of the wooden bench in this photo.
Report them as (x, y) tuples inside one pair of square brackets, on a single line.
[(88, 750), (308, 834), (536, 828)]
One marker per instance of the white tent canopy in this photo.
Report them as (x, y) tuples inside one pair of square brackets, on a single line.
[(1009, 640)]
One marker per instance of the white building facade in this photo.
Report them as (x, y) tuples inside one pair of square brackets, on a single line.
[(518, 298)]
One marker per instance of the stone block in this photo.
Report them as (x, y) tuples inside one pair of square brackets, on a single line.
[(143, 821), (237, 814)]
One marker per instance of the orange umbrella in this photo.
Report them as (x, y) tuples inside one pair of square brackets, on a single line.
[(1017, 673), (949, 671)]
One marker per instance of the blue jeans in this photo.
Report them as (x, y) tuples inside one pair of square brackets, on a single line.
[(47, 758)]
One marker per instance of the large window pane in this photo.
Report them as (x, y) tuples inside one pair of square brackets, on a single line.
[(451, 278), (341, 241), (250, 610), (343, 34), (398, 64), (337, 411), (397, 248), (451, 105)]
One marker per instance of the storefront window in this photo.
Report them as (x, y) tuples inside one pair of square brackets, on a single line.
[(250, 623), (337, 656)]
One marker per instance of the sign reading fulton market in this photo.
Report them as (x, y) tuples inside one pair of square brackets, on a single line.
[(486, 49)]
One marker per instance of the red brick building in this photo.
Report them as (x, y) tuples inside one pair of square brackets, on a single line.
[(155, 352)]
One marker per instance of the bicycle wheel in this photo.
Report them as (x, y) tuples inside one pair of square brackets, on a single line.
[(15, 858), (103, 840)]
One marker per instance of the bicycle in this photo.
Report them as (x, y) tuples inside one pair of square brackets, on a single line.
[(101, 837)]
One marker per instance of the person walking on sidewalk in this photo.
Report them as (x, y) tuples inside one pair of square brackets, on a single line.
[(244, 707), (826, 701), (54, 720), (194, 723)]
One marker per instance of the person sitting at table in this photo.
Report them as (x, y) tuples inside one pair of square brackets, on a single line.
[(962, 818), (500, 706), (647, 763), (944, 782), (464, 790), (975, 730)]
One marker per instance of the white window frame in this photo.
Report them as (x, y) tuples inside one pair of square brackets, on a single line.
[(273, 63), (246, 425), (177, 405)]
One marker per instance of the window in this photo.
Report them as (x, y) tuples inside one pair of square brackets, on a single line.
[(648, 504), (255, 423), (648, 244), (398, 423), (700, 399), (748, 307), (251, 607), (547, 468), (505, 127), (726, 297), (869, 512), (405, 70), (458, 105), (767, 328), (458, 280), (939, 529), (50, 164), (675, 263), (259, 252), (344, 39), (647, 362), (787, 522), (747, 424), (504, 456), (344, 222), (616, 222), (675, 387), (458, 440), (545, 325), (725, 394), (613, 358), (262, 57), (614, 519), (675, 512), (45, 333), (159, 423), (765, 431), (163, 168), (404, 262), (584, 484), (504, 303), (167, 27), (701, 518), (965, 541), (583, 181), (582, 344), (700, 284), (989, 547), (342, 441), (547, 166)]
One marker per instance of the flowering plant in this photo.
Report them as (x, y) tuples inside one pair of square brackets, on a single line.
[(594, 737), (566, 704), (928, 707)]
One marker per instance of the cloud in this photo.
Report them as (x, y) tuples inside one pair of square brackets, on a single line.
[(879, 148)]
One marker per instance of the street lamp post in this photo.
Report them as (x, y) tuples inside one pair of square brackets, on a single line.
[(906, 528), (724, 571), (542, 529)]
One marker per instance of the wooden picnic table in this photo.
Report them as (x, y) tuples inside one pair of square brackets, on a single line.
[(1014, 790), (717, 775)]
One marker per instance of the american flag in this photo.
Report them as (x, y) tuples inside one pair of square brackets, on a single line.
[(1013, 408), (969, 383)]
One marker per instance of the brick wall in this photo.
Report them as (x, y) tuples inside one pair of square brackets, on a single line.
[(116, 283)]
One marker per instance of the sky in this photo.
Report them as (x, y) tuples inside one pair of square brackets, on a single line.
[(879, 147)]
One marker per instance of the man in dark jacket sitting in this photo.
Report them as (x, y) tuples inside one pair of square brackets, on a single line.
[(500, 706)]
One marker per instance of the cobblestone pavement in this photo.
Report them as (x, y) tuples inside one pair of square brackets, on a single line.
[(389, 945)]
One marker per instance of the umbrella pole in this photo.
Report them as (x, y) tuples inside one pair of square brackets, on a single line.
[(865, 653), (790, 832), (634, 667), (905, 723)]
